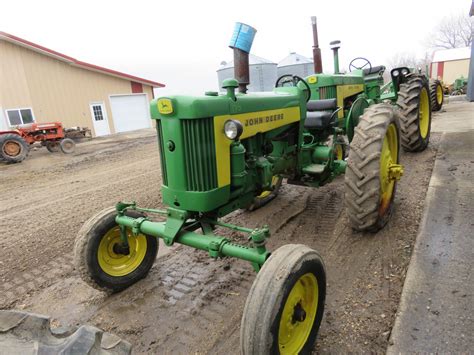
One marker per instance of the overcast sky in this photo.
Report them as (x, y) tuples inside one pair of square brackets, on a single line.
[(181, 43)]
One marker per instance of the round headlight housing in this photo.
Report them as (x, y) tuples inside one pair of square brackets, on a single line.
[(404, 71), (395, 73), (233, 129)]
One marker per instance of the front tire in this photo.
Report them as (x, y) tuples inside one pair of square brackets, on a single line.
[(67, 145), (101, 264), (415, 119), (372, 169), (285, 306)]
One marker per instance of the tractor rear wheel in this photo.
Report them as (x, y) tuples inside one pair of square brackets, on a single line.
[(67, 145), (372, 168), (52, 146), (102, 263), (13, 148), (285, 306), (436, 95), (266, 196), (415, 119)]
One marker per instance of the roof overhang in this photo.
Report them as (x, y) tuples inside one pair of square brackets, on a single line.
[(74, 62)]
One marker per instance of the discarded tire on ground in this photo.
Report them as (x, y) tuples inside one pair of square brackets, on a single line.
[(28, 333)]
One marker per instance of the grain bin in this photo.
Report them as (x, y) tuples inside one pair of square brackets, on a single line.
[(296, 64), (263, 73)]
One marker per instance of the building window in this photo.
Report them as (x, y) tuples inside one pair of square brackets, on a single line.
[(98, 115), (20, 116)]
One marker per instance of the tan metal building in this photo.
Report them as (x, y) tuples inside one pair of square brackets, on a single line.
[(38, 84), (450, 64)]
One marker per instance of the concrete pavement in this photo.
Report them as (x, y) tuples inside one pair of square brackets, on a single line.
[(436, 311)]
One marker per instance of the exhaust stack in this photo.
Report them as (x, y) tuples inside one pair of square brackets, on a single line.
[(318, 65), (241, 42), (335, 45)]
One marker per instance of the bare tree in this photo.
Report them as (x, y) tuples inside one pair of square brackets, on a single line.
[(452, 32), (409, 60)]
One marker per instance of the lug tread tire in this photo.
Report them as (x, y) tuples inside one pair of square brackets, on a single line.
[(25, 148), (268, 294), (82, 246), (362, 181), (409, 98), (435, 106)]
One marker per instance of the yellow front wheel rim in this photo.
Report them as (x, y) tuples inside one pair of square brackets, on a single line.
[(439, 94), (424, 113), (299, 314), (339, 152), (388, 159), (118, 265), (267, 193)]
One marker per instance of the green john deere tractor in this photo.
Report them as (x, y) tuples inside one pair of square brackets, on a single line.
[(221, 152)]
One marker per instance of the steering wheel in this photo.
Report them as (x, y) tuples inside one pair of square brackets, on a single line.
[(294, 80), (360, 63)]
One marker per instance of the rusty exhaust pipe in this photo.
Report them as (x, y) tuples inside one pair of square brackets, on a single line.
[(318, 65), (241, 43)]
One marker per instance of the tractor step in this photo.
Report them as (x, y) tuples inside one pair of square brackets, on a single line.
[(314, 169)]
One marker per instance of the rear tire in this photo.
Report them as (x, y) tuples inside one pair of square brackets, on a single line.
[(97, 261), (436, 95), (67, 145), (415, 119), (369, 193), (285, 305), (13, 148)]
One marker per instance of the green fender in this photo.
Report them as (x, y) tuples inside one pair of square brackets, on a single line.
[(357, 109)]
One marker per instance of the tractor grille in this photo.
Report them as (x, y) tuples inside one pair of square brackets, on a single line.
[(200, 154), (327, 92), (161, 145)]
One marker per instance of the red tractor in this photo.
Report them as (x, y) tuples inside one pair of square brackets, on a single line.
[(15, 144)]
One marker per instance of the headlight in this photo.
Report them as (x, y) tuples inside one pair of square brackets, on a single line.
[(233, 129), (404, 71), (396, 73)]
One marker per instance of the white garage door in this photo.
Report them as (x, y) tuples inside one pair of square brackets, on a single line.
[(130, 112)]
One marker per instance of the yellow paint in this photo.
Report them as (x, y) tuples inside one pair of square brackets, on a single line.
[(424, 113), (165, 106), (390, 171), (118, 264), (253, 123), (344, 91), (293, 334), (313, 79)]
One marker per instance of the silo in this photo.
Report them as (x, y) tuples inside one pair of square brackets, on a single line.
[(296, 64), (263, 73)]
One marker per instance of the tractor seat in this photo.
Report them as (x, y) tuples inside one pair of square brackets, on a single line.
[(374, 70), (319, 113)]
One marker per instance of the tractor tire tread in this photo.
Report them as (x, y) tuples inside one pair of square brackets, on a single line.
[(267, 290), (361, 179), (409, 102), (23, 154), (435, 106)]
